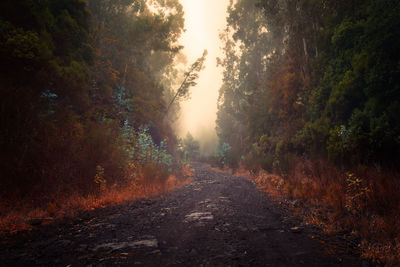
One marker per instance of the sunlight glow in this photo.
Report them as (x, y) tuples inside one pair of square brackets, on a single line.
[(204, 19)]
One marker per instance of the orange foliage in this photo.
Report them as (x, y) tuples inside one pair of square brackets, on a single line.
[(238, 172), (285, 84), (366, 208), (17, 217)]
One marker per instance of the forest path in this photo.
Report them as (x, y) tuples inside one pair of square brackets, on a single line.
[(218, 220)]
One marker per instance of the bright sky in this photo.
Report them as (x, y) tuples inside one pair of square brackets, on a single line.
[(204, 19)]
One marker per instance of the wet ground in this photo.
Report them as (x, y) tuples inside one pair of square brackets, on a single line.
[(218, 220)]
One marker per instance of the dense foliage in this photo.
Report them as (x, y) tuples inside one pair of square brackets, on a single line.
[(311, 92), (84, 89), (312, 79)]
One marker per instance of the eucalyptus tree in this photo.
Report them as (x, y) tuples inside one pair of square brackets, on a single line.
[(300, 80), (137, 44), (45, 55), (189, 80)]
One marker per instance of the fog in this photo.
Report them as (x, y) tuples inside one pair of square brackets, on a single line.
[(204, 19)]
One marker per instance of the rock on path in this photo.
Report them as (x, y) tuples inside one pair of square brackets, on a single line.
[(218, 220)]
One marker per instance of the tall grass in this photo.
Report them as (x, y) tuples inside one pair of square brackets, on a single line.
[(19, 215), (363, 204)]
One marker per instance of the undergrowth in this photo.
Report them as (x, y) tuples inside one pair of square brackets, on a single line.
[(362, 205), (19, 215)]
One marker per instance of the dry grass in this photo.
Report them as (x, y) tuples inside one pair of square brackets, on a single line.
[(18, 216), (238, 172), (363, 206)]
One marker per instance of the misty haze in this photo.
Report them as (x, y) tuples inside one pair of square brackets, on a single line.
[(199, 133)]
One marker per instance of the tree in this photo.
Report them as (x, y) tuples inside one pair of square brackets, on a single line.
[(311, 78), (44, 72), (191, 147), (73, 74), (189, 80)]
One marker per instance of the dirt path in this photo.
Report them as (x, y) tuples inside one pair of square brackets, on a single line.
[(218, 220)]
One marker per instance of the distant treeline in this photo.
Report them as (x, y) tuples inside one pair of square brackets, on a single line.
[(311, 79), (77, 81)]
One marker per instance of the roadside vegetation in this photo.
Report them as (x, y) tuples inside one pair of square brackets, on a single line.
[(89, 91), (309, 105)]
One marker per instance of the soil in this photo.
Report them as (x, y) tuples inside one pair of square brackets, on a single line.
[(218, 220)]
